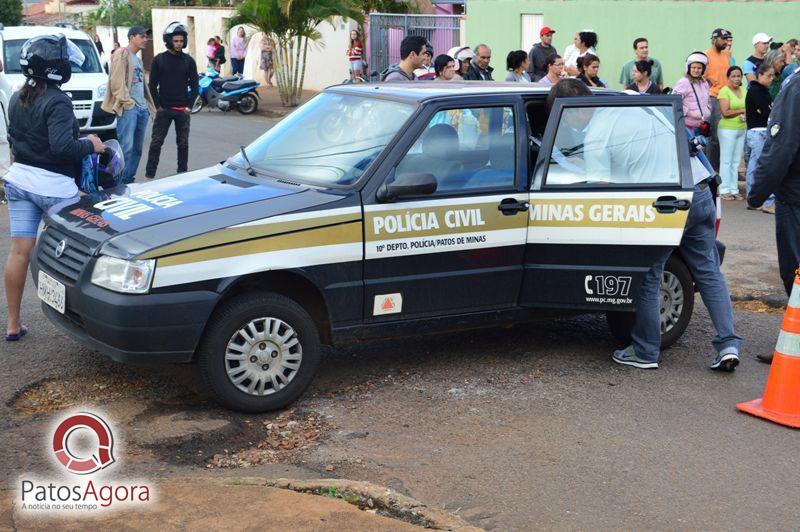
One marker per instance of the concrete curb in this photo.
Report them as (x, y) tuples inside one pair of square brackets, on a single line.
[(391, 503)]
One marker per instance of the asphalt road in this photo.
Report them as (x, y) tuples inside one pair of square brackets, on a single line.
[(530, 427)]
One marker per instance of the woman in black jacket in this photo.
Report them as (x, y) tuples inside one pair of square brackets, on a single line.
[(44, 137)]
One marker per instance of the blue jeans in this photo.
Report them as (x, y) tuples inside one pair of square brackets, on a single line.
[(131, 127), (699, 251), (237, 66), (755, 144), (25, 210)]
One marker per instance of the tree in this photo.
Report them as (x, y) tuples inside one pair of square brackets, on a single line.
[(11, 12), (121, 13), (291, 24)]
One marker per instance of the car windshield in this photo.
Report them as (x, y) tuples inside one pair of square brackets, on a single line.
[(331, 140), (91, 65)]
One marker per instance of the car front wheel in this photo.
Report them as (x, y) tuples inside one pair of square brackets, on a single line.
[(259, 353), (676, 298)]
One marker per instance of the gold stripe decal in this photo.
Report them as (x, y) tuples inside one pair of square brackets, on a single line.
[(276, 226), (323, 236), (439, 220), (602, 212)]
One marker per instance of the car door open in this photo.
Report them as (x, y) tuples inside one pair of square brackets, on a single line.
[(610, 192)]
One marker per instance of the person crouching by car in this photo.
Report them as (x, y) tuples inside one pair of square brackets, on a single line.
[(48, 153)]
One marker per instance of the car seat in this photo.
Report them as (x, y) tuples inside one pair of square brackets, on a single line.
[(439, 157), (500, 169)]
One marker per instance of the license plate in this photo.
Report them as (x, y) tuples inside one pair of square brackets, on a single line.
[(52, 292)]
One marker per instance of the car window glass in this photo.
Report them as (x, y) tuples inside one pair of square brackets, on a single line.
[(614, 145), (466, 149), (91, 64), (332, 139)]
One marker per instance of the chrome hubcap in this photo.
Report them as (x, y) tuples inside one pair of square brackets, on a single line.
[(263, 357), (671, 298)]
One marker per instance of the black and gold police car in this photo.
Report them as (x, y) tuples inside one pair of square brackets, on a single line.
[(375, 211)]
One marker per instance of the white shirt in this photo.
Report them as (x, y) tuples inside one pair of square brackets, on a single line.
[(630, 145), (41, 182), (571, 55)]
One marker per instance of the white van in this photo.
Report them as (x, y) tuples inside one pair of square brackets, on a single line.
[(88, 84)]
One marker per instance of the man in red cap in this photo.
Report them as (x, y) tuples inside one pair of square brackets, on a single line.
[(539, 54)]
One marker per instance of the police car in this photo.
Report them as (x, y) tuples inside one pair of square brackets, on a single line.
[(378, 211)]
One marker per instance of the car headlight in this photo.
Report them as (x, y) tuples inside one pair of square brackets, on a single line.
[(101, 90), (126, 276)]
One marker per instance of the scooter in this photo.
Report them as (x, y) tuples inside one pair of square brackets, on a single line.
[(227, 92)]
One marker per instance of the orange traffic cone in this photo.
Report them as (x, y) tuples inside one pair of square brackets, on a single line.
[(781, 401)]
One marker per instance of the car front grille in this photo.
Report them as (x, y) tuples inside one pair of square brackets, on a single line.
[(77, 96), (82, 106), (72, 260)]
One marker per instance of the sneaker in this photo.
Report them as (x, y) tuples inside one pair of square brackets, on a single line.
[(768, 210), (726, 360), (628, 357)]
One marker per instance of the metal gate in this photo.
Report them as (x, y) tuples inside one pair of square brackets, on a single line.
[(386, 31)]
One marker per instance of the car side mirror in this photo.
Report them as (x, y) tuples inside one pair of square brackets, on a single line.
[(408, 184)]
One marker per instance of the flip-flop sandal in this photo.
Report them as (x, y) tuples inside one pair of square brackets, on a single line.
[(16, 337)]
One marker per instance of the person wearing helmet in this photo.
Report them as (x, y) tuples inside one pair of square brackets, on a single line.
[(48, 151), (463, 57), (694, 88), (173, 86)]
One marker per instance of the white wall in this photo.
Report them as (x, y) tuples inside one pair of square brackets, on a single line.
[(327, 63), (202, 22)]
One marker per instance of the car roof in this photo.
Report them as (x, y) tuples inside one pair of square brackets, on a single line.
[(26, 32), (420, 91)]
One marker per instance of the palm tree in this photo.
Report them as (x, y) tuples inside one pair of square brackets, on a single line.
[(291, 24)]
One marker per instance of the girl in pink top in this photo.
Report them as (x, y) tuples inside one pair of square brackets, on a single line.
[(238, 51), (693, 88)]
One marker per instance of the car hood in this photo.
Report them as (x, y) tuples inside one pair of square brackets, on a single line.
[(129, 220)]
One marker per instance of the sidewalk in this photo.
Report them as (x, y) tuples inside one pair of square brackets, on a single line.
[(251, 504), (270, 102), (210, 506)]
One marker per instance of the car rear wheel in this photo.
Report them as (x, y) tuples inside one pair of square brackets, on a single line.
[(259, 353), (248, 104), (676, 297)]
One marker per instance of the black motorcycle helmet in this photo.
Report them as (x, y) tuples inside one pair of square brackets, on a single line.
[(50, 58), (172, 29)]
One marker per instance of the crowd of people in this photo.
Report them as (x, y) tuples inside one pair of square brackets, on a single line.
[(724, 104)]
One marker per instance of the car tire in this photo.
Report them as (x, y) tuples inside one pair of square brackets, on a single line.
[(266, 319), (677, 293), (248, 104)]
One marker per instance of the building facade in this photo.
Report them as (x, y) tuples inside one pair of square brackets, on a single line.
[(673, 28)]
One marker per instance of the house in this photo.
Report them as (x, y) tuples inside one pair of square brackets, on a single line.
[(674, 29)]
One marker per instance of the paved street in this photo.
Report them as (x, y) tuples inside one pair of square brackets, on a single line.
[(529, 427)]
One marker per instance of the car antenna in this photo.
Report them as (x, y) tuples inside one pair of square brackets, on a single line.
[(247, 160)]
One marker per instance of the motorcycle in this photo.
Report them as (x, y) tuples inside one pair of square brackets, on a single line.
[(227, 92)]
